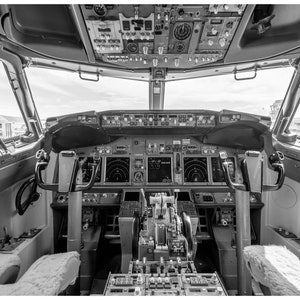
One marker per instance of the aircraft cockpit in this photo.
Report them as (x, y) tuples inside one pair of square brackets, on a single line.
[(176, 196)]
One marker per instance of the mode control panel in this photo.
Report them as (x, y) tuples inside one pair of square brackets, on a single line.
[(161, 120)]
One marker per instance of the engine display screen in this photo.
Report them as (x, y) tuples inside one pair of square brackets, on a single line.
[(159, 170), (217, 172)]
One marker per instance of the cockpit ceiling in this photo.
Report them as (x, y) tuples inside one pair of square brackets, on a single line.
[(142, 37)]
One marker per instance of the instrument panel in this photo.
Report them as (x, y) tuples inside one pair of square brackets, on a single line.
[(156, 160)]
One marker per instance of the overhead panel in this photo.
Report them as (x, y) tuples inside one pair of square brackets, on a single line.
[(165, 36)]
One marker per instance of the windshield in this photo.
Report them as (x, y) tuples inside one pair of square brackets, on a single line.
[(58, 92)]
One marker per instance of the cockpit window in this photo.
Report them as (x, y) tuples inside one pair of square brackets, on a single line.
[(295, 124), (262, 95), (12, 124), (59, 93)]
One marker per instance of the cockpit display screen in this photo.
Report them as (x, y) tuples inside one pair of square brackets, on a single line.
[(159, 170)]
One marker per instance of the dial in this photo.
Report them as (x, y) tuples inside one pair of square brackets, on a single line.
[(182, 31), (100, 10)]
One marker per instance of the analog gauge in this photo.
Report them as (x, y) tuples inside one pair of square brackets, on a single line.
[(100, 10), (182, 31)]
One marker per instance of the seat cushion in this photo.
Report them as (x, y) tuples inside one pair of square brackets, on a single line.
[(275, 267), (9, 268), (49, 275)]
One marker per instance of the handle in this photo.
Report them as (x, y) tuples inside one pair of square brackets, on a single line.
[(41, 165), (276, 163), (225, 167)]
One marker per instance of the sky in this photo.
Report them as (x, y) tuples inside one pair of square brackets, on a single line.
[(60, 92)]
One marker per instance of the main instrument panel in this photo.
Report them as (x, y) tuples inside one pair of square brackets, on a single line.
[(156, 160), (165, 36)]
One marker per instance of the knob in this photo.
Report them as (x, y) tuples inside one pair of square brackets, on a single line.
[(216, 6), (226, 6), (214, 31), (222, 42), (210, 42), (145, 50), (144, 61), (226, 33), (155, 62), (176, 62), (158, 16), (160, 50), (196, 60), (165, 59)]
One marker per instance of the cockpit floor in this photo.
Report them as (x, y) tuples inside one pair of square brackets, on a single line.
[(109, 258)]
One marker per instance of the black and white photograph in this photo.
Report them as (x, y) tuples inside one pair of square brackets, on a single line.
[(149, 149)]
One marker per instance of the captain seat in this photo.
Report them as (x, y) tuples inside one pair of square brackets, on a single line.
[(9, 268), (48, 276), (275, 268)]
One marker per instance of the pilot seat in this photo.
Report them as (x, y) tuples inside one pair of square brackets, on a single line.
[(48, 276), (275, 268), (9, 268)]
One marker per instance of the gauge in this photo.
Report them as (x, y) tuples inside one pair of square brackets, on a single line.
[(100, 10), (182, 31)]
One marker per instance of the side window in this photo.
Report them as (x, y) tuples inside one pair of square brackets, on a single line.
[(295, 123), (12, 124)]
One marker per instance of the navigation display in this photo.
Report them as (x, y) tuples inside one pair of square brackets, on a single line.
[(195, 169), (117, 169), (159, 170)]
